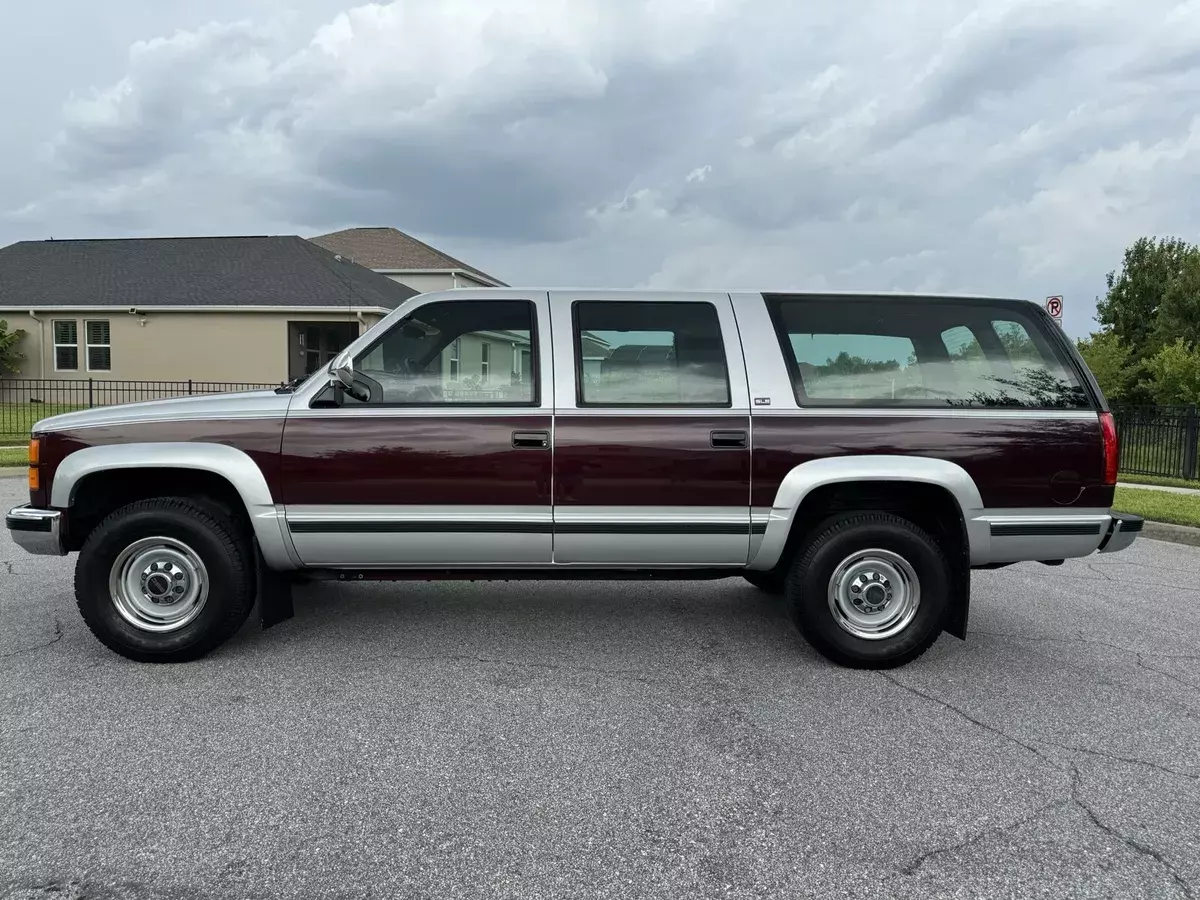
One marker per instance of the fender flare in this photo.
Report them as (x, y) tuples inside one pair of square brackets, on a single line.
[(230, 463), (807, 477)]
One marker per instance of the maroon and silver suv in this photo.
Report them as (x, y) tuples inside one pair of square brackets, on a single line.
[(858, 454)]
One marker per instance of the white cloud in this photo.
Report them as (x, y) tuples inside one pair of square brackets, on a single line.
[(1001, 146)]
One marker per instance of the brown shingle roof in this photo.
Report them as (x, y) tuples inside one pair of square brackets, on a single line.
[(391, 248)]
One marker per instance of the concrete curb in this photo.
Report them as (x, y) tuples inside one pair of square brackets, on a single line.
[(13, 471), (1176, 534)]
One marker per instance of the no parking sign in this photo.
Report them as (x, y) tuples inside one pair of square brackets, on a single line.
[(1054, 306)]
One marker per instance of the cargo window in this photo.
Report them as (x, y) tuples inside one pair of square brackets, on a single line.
[(860, 366), (922, 352), (649, 354)]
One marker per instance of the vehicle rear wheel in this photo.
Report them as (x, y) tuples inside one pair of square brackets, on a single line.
[(769, 582), (165, 580), (871, 590)]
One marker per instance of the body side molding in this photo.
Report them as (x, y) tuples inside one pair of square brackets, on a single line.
[(232, 464), (807, 477)]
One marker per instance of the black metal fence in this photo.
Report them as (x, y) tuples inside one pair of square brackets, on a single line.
[(1159, 440), (23, 401), (1155, 440)]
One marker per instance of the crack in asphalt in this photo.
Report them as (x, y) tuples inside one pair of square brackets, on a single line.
[(1104, 576), (1141, 661), (1136, 846), (57, 636), (1080, 639), (1073, 784), (913, 867), (1132, 760)]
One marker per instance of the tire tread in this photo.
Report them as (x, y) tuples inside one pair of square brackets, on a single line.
[(804, 560), (237, 606)]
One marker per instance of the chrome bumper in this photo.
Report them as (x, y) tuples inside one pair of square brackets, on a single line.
[(36, 530), (1124, 530)]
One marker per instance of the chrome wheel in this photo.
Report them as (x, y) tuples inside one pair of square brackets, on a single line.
[(874, 594), (158, 584)]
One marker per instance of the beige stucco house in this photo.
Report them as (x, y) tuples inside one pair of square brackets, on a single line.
[(255, 310)]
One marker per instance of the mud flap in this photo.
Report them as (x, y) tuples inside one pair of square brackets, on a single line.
[(274, 593), (956, 623)]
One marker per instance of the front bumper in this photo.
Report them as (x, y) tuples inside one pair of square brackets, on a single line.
[(36, 530), (1122, 532)]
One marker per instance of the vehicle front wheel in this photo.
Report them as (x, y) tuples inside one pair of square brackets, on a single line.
[(871, 591), (165, 580)]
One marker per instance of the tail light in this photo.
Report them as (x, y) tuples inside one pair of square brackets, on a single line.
[(35, 457), (1112, 454)]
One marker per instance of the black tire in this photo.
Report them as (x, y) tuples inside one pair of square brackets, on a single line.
[(211, 536), (808, 587), (768, 582)]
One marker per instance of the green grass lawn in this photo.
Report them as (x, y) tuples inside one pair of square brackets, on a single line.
[(1159, 480), (15, 457), (1159, 506), (17, 419)]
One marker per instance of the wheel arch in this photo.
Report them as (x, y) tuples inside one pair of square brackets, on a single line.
[(229, 464), (812, 481)]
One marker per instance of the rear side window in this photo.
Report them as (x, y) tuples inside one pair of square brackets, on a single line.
[(650, 354), (922, 353)]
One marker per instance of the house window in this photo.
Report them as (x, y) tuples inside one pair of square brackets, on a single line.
[(455, 358), (66, 345), (99, 345), (485, 361)]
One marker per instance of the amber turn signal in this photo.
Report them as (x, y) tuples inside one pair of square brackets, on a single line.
[(35, 478), (35, 451)]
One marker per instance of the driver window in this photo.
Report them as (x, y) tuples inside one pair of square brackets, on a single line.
[(475, 352)]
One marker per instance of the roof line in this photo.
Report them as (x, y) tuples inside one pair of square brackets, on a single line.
[(176, 237)]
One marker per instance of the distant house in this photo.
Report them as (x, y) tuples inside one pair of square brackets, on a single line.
[(405, 259), (228, 309)]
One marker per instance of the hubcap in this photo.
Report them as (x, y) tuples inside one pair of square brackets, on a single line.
[(874, 594), (158, 584)]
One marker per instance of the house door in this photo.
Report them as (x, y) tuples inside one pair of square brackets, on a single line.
[(445, 464), (652, 449), (313, 344)]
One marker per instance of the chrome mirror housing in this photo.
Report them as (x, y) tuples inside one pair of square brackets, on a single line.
[(341, 370)]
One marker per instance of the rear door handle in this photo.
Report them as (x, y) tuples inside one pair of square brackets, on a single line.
[(728, 439), (536, 440)]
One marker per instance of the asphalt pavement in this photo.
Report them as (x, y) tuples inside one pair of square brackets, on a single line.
[(577, 740)]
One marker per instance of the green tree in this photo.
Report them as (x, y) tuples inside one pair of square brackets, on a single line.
[(1179, 314), (1137, 293), (1111, 363), (1175, 373), (10, 358)]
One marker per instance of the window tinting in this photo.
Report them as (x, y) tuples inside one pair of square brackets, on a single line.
[(477, 352), (650, 354), (922, 353)]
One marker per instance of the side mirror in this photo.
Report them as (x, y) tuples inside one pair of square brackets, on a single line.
[(341, 370), (341, 375)]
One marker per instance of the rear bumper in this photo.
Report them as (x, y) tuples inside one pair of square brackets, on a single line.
[(1122, 532), (36, 530)]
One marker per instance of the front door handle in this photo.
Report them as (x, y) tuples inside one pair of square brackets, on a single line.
[(728, 439), (535, 440)]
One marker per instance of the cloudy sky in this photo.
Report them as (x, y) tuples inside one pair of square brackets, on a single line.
[(994, 146)]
